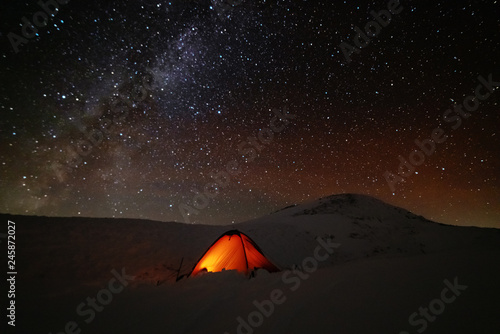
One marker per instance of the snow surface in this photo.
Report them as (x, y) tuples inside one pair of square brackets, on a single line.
[(389, 263)]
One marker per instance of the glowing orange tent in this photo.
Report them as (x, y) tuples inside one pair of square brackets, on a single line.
[(233, 251)]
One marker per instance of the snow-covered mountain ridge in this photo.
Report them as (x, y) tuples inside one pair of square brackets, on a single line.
[(89, 247), (389, 262)]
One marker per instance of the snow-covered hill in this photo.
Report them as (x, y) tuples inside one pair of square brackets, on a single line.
[(386, 263)]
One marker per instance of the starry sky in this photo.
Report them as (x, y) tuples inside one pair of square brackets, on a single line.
[(132, 108)]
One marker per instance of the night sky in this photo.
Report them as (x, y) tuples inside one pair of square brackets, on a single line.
[(129, 108)]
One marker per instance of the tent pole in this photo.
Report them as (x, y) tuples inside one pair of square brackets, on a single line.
[(244, 251), (179, 271)]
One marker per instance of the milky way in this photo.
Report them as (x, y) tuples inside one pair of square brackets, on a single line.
[(221, 111)]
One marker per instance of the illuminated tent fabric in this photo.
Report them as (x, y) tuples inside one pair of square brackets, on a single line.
[(233, 251)]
